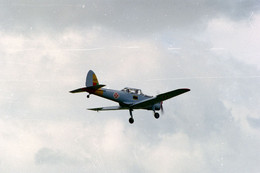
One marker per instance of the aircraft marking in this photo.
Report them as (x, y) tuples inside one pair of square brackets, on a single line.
[(95, 81), (116, 95), (99, 92)]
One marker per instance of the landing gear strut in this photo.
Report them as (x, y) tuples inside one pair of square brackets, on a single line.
[(156, 114), (131, 120)]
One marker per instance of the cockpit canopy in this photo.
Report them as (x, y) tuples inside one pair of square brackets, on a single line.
[(132, 91)]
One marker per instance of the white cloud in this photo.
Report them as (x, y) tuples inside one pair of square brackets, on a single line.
[(174, 152), (206, 130), (238, 39), (130, 17)]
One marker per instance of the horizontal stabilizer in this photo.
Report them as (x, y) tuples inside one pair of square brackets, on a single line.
[(109, 108), (87, 89), (79, 90), (96, 87)]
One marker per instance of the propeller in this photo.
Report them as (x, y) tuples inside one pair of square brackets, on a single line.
[(161, 105), (162, 111)]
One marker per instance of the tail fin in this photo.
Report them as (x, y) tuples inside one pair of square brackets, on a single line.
[(91, 79), (91, 84)]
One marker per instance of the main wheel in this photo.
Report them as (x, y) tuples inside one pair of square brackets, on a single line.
[(156, 115), (131, 120)]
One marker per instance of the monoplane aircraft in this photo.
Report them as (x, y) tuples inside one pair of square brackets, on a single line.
[(128, 98)]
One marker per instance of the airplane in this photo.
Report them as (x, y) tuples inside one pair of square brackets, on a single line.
[(128, 98)]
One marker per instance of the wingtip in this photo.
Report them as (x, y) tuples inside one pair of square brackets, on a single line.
[(185, 89), (93, 109)]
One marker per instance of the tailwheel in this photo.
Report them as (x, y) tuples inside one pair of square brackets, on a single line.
[(156, 115), (131, 120)]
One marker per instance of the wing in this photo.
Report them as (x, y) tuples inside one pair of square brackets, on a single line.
[(109, 108), (161, 97)]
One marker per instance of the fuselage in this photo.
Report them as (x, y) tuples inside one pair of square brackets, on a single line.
[(125, 99)]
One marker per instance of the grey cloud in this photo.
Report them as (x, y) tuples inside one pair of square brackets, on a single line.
[(50, 156), (203, 128), (254, 122), (124, 16)]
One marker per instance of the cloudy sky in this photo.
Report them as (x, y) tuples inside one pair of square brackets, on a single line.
[(211, 47)]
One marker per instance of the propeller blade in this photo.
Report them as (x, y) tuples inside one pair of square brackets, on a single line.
[(162, 108)]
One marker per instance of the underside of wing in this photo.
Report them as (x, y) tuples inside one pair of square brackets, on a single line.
[(109, 108), (159, 98)]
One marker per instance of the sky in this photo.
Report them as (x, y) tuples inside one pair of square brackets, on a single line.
[(47, 48)]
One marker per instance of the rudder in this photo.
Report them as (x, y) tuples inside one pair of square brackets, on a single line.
[(91, 84), (91, 79)]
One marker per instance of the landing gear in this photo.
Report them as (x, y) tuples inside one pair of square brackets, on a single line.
[(88, 96), (131, 120), (156, 115)]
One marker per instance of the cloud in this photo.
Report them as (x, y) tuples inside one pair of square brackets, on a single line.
[(172, 153), (198, 127), (238, 39), (49, 156), (127, 17), (213, 128)]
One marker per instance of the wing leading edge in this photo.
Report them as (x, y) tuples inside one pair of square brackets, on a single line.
[(159, 98), (109, 108)]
